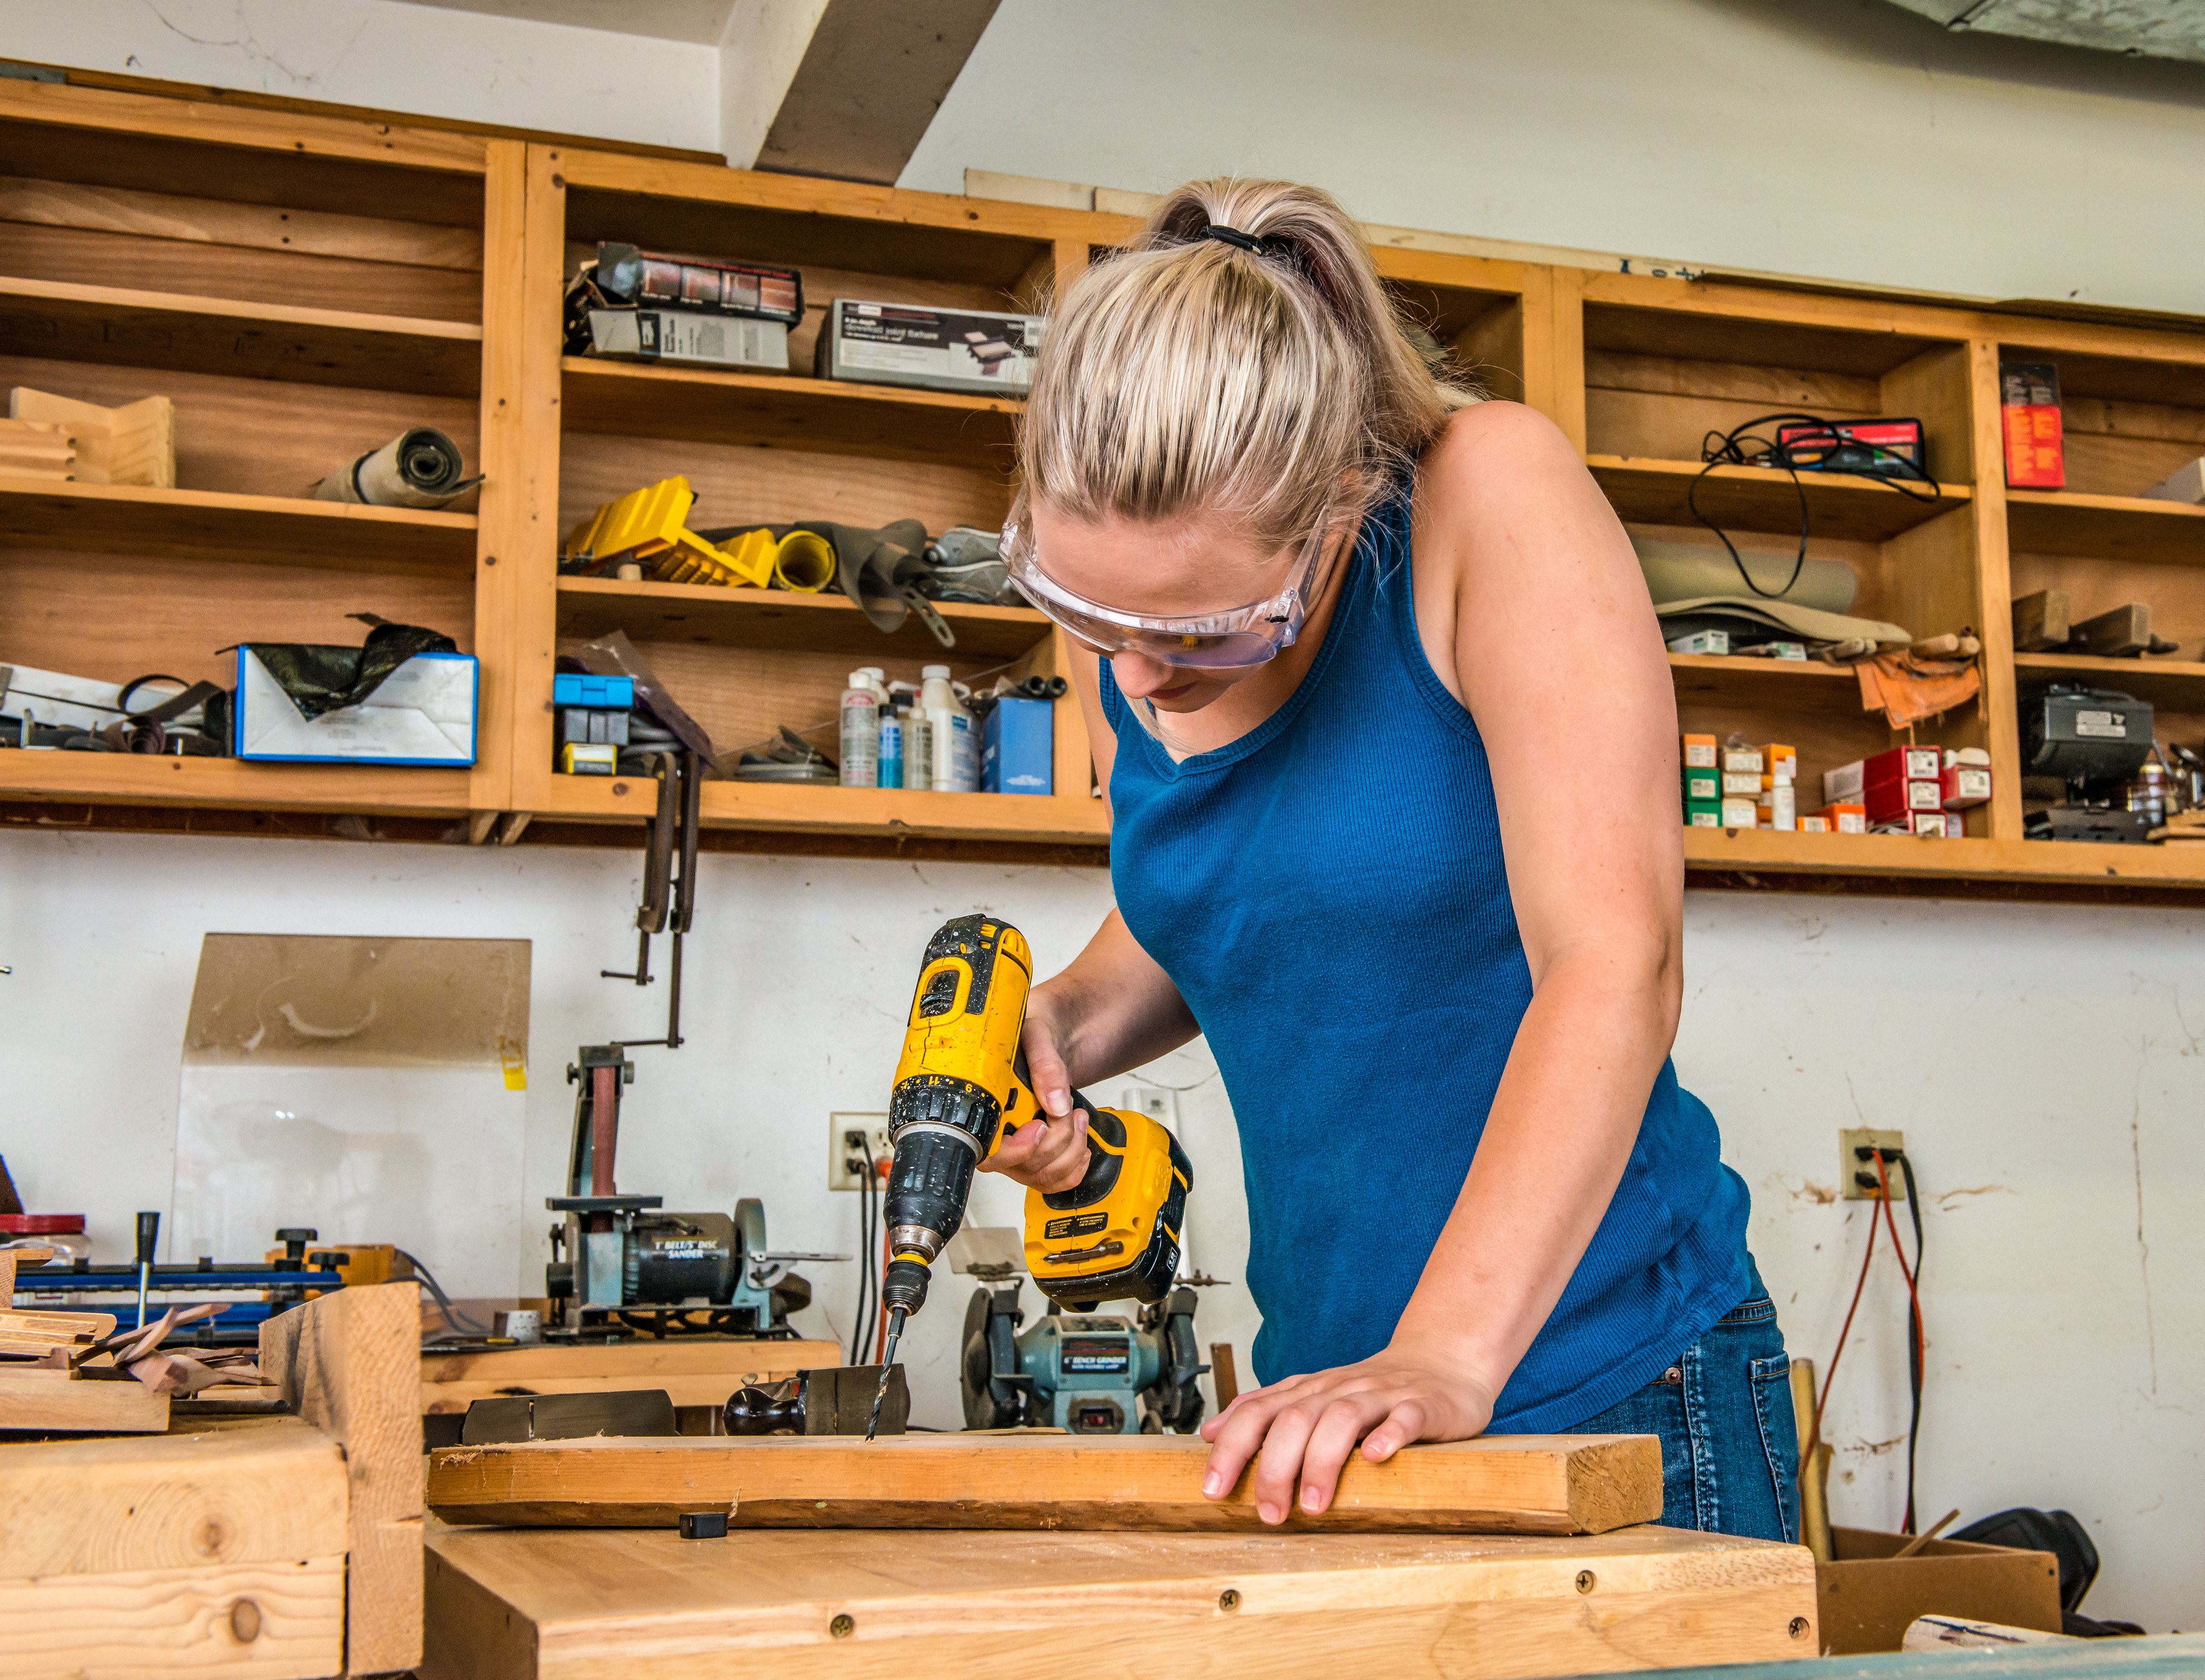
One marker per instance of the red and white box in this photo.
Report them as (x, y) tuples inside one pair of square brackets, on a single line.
[(1934, 823), (1966, 779), (1890, 784)]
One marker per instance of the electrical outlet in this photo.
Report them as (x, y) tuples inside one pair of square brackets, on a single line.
[(1155, 1101), (850, 1137), (1851, 1164)]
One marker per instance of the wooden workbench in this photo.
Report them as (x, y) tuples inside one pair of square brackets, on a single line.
[(507, 1604)]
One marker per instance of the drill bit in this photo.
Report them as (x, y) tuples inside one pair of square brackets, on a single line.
[(888, 1363)]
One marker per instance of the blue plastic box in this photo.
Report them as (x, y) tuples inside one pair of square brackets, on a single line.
[(1017, 748), (572, 688)]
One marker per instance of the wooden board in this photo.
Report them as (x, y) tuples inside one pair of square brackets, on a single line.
[(1498, 1484), (829, 622), (133, 444), (58, 1401), (692, 1373), (349, 1364), (217, 1553), (515, 1605), (1648, 491)]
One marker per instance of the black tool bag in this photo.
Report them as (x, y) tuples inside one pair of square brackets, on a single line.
[(2059, 1533)]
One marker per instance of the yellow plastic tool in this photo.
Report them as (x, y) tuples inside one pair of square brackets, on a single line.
[(647, 526)]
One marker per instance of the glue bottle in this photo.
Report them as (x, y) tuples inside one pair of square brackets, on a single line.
[(890, 759), (861, 727), (955, 756)]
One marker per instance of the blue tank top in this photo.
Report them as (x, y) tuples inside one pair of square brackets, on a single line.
[(1328, 895)]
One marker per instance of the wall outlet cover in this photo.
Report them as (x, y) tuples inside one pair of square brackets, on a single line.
[(839, 1126), (1158, 1103), (1850, 1165)]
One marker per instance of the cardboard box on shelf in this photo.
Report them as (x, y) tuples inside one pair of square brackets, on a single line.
[(1845, 819), (2028, 393), (1739, 813), (1699, 753), (1866, 1598)]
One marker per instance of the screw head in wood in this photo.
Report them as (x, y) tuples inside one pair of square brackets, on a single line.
[(1800, 1625), (842, 1627), (1586, 1581), (244, 1621), (1229, 1599)]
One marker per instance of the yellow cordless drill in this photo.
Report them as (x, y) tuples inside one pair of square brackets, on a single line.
[(961, 1087)]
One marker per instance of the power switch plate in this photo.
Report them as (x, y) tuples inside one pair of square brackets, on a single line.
[(1850, 1164), (875, 1128)]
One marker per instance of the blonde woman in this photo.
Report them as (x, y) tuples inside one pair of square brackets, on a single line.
[(1381, 707)]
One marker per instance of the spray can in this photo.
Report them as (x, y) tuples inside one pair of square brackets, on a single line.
[(861, 729), (955, 755), (890, 757)]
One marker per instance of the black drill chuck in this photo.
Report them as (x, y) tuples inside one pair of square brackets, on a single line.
[(928, 1184), (905, 1285)]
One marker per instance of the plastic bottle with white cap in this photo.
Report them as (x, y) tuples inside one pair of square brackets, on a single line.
[(956, 753), (861, 728)]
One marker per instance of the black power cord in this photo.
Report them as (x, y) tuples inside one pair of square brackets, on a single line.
[(1736, 448), (461, 1325), (866, 1286), (1913, 1342)]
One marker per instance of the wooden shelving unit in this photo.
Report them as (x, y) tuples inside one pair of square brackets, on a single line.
[(309, 285)]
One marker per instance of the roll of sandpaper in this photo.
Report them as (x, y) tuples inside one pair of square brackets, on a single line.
[(418, 468)]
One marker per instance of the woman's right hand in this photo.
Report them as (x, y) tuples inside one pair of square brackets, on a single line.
[(1048, 1154)]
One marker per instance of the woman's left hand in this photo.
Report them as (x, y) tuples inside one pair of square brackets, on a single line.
[(1306, 1428)]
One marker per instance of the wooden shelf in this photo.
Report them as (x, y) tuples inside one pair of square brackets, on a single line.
[(126, 519), (784, 412), (1769, 850), (115, 324), (759, 618), (120, 778), (1647, 492), (882, 812), (1787, 685), (2105, 527), (2176, 685)]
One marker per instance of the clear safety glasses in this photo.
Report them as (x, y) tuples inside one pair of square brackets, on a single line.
[(1238, 638)]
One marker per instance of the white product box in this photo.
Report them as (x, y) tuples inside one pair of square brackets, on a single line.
[(1703, 641), (689, 337), (422, 713), (1739, 814)]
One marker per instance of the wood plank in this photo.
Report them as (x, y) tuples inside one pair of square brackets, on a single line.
[(133, 444), (692, 1373), (263, 227), (840, 811), (266, 1494), (511, 449), (1868, 855), (140, 519), (2118, 633), (121, 325), (134, 779), (1785, 685), (2132, 528), (350, 1363), (1648, 491), (269, 1621), (1996, 590), (2171, 684), (1528, 1484), (534, 454), (514, 1605), (823, 416), (35, 1398), (754, 617)]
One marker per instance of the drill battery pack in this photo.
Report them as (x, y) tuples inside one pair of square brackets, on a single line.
[(1114, 1235)]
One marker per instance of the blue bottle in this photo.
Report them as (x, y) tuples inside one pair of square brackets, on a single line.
[(890, 756)]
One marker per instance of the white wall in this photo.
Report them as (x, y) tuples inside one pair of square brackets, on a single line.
[(2039, 1059), (393, 57), (1846, 139)]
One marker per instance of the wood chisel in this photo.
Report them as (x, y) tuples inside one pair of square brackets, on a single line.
[(961, 1087)]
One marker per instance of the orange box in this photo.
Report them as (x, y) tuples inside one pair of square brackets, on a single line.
[(2029, 398), (1846, 819)]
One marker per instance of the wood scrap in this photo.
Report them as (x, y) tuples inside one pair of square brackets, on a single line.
[(30, 450), (1496, 1484), (350, 1363), (2123, 633), (2041, 621), (12, 1258), (34, 1334), (79, 1402), (133, 444)]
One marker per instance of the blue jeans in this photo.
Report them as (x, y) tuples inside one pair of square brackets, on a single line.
[(1730, 1448)]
